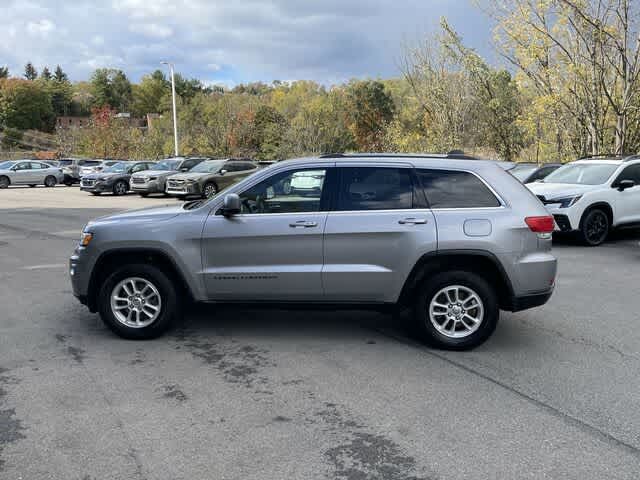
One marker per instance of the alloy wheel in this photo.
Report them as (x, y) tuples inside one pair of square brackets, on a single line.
[(456, 311), (596, 227), (136, 302), (210, 190), (121, 188)]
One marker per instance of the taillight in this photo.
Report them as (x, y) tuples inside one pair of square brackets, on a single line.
[(540, 224)]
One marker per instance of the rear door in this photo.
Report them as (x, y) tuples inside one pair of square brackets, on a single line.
[(272, 250), (377, 230), (39, 171)]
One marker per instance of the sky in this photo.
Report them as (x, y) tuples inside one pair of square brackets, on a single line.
[(232, 41)]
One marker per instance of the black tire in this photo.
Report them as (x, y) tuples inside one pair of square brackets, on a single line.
[(120, 187), (68, 183), (50, 181), (169, 298), (5, 181), (32, 185), (431, 287), (143, 195), (209, 190), (594, 227), (96, 193)]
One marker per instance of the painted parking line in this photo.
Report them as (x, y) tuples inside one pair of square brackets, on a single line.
[(45, 266)]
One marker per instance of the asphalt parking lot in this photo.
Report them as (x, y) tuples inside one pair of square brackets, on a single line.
[(248, 394)]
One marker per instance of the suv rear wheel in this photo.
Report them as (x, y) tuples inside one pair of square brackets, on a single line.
[(456, 310), (594, 227), (138, 302)]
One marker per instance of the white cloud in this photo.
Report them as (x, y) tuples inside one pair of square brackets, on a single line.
[(41, 28), (152, 30), (227, 41)]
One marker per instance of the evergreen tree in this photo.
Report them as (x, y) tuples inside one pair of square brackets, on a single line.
[(46, 74), (30, 72), (59, 75)]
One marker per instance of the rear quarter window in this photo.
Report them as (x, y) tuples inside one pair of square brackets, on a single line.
[(455, 189)]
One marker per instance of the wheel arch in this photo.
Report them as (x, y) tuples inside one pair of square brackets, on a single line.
[(108, 261), (7, 177), (480, 262), (606, 207)]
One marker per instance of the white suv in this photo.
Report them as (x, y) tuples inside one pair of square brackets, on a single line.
[(593, 195)]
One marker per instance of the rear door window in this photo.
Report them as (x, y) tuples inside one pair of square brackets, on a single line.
[(374, 188), (455, 189)]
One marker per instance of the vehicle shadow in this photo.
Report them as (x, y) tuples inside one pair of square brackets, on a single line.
[(619, 236)]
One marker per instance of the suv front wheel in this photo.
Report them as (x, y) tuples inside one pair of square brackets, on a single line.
[(594, 227), (138, 302), (456, 310)]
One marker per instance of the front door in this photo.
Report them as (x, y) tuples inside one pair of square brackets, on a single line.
[(627, 202), (272, 250), (22, 174)]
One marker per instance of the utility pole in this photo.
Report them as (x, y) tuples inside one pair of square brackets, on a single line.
[(173, 101)]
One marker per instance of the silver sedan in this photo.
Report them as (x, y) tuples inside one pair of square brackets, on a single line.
[(29, 172)]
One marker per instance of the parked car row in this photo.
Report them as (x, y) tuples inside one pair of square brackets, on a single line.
[(179, 177)]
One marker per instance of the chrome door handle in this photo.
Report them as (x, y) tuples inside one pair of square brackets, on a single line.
[(303, 224), (412, 221)]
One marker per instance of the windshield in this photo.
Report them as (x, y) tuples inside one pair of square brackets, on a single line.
[(7, 165), (64, 163), (119, 167), (582, 173), (521, 172), (167, 165), (211, 166)]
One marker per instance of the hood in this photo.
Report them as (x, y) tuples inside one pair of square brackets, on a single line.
[(104, 175), (191, 175), (154, 173), (558, 190), (154, 214)]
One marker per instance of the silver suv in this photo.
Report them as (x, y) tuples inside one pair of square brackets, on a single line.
[(455, 240)]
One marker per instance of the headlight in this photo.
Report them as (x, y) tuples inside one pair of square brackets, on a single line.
[(85, 239), (150, 179), (566, 202), (190, 182)]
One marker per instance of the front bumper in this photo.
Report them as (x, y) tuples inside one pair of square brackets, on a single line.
[(148, 187), (96, 187), (184, 189), (524, 302), (566, 219)]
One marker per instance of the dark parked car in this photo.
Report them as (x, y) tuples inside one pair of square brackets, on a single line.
[(208, 178), (114, 178), (531, 172)]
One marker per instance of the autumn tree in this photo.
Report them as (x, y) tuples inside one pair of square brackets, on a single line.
[(370, 109)]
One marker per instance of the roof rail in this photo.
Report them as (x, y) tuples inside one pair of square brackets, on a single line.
[(453, 154), (613, 156), (632, 157)]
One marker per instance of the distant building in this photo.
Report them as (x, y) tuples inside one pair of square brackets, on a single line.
[(72, 122)]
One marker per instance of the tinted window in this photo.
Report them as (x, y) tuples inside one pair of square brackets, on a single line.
[(632, 172), (542, 172), (38, 166), (286, 192), (138, 168), (375, 188), (522, 172), (582, 173), (24, 166), (453, 189), (91, 163), (189, 164)]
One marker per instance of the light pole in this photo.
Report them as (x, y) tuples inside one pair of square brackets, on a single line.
[(173, 101)]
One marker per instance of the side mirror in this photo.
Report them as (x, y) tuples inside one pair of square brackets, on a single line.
[(223, 171), (184, 169), (624, 184), (231, 205)]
